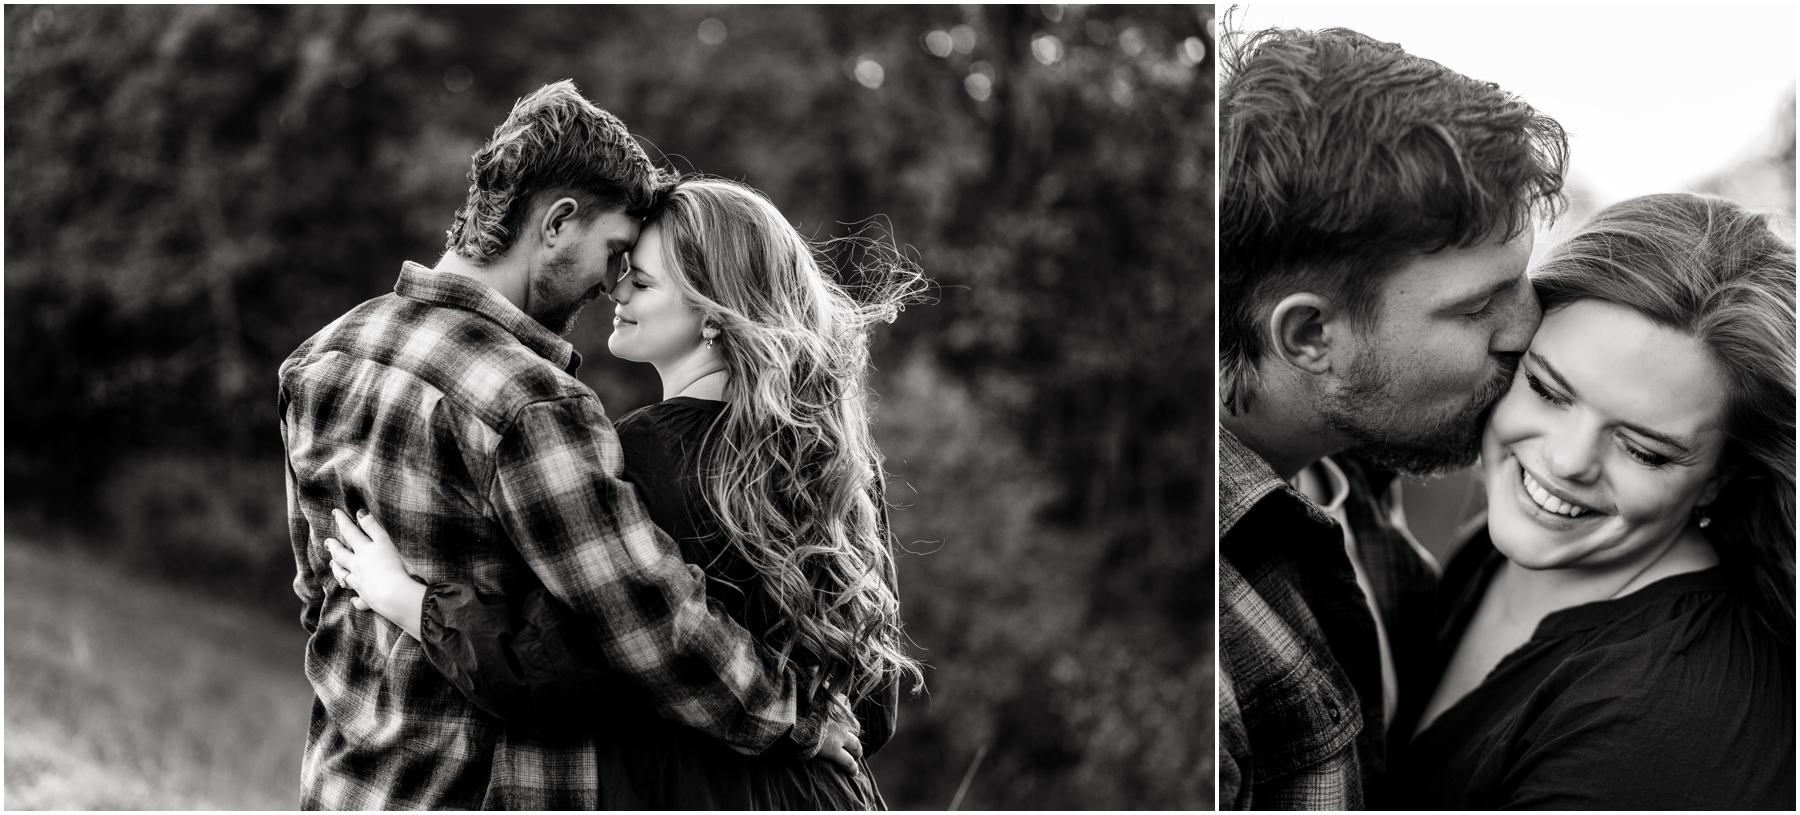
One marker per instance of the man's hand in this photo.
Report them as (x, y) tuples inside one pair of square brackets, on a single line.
[(842, 747)]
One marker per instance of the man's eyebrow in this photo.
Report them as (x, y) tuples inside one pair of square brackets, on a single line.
[(1635, 428), (1471, 300)]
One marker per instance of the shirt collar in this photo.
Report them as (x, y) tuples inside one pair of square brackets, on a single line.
[(1337, 485), (457, 291), (1245, 479)]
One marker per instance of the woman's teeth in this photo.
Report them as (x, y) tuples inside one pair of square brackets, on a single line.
[(1544, 499)]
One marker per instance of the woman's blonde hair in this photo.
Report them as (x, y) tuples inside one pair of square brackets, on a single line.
[(791, 469), (1716, 272)]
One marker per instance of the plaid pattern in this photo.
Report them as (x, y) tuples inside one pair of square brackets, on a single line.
[(1300, 707), (454, 418)]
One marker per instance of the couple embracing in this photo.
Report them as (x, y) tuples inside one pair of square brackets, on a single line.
[(1619, 632), (515, 602)]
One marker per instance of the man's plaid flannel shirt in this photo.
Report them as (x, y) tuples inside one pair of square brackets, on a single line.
[(1300, 710), (454, 418)]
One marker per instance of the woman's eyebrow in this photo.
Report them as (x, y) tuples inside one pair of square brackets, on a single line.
[(1660, 437), (1551, 370)]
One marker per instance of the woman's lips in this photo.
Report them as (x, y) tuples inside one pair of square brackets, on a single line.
[(1547, 509), (1543, 498)]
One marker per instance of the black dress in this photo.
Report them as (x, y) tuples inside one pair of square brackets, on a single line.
[(523, 659), (1671, 697)]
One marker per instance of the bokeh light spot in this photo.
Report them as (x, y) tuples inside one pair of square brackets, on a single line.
[(1191, 52), (869, 72), (458, 78), (980, 81), (962, 38), (352, 74), (1052, 11), (1098, 31), (979, 86), (938, 44), (1121, 91), (1132, 41), (712, 31), (1047, 49)]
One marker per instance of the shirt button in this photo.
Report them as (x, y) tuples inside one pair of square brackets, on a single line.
[(1336, 713)]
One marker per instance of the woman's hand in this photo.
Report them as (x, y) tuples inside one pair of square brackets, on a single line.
[(367, 563), (841, 746)]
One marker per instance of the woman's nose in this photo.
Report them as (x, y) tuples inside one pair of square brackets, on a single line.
[(1574, 456), (620, 292)]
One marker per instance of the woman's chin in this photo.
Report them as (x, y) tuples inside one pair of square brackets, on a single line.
[(1522, 543)]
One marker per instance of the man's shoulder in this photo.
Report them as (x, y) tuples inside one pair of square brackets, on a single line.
[(468, 358)]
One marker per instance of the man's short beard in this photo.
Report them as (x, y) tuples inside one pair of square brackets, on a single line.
[(559, 317), (1381, 430)]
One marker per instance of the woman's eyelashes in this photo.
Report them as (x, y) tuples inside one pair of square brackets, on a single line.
[(1543, 392), (1648, 458)]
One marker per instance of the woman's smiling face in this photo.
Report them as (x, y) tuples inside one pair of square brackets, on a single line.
[(652, 322), (1611, 435)]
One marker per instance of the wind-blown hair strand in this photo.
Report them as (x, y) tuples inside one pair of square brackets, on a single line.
[(791, 469)]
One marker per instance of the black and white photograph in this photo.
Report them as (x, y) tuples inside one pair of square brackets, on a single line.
[(612, 407), (1506, 409)]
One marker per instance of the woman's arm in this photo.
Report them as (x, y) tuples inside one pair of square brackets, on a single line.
[(515, 658), (524, 661)]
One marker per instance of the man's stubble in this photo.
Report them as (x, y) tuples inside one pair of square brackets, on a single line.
[(553, 305), (1381, 429)]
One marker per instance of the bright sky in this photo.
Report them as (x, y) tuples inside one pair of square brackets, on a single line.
[(1654, 98)]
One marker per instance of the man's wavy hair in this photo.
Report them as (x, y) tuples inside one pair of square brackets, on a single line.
[(1713, 271), (555, 143), (791, 469), (1341, 157)]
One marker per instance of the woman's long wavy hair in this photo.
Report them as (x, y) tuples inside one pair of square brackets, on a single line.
[(1714, 271), (791, 469)]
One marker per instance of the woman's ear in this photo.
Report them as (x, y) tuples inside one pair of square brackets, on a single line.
[(1297, 331), (1727, 470)]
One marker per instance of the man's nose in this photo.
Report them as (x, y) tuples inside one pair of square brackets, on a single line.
[(1520, 323)]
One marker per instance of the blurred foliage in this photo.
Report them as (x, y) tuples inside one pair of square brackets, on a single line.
[(192, 191)]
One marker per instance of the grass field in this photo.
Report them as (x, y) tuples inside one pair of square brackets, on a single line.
[(125, 695)]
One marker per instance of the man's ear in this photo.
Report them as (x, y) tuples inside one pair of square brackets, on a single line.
[(554, 225), (1298, 331)]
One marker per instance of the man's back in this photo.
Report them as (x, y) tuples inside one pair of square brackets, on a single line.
[(398, 407)]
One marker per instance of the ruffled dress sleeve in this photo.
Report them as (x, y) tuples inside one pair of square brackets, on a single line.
[(523, 660)]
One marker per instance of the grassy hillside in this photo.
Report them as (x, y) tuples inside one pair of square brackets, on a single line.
[(124, 695)]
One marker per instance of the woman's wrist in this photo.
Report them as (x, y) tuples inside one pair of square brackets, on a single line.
[(401, 602)]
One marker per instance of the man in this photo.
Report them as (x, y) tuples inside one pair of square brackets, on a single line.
[(449, 410), (1376, 218)]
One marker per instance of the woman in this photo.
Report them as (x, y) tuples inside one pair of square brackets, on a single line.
[(760, 464), (1622, 635)]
